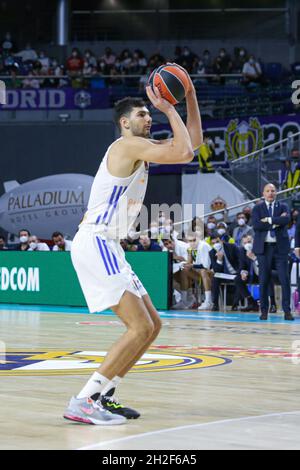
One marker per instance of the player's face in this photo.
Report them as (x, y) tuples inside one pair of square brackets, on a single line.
[(140, 122)]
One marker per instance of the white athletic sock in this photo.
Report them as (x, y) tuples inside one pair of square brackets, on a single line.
[(110, 388), (95, 385), (208, 296)]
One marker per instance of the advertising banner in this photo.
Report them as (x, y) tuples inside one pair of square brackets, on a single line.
[(48, 278), (56, 99)]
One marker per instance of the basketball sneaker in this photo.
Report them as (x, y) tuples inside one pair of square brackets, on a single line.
[(112, 405), (86, 410)]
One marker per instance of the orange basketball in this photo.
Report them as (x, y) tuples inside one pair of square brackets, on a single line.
[(172, 82)]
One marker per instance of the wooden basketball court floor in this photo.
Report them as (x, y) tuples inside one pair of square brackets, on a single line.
[(210, 381)]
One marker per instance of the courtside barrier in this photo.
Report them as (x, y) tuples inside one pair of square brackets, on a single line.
[(48, 278)]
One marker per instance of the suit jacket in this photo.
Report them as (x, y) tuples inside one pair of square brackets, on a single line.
[(297, 234), (260, 211), (232, 254)]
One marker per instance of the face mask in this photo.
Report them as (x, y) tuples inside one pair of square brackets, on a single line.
[(154, 231), (251, 61), (218, 246), (24, 239), (222, 54), (242, 53), (248, 246), (33, 245), (241, 222), (162, 219), (211, 225), (131, 233), (221, 231), (168, 228)]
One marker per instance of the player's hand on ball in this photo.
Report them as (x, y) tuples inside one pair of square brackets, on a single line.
[(156, 99), (191, 85)]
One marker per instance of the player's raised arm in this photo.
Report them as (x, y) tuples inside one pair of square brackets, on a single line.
[(193, 123), (177, 150)]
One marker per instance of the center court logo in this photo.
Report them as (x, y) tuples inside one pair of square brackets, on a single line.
[(55, 362)]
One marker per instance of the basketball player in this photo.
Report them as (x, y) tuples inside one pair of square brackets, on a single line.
[(106, 278)]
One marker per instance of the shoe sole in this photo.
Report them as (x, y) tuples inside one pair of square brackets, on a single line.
[(95, 422)]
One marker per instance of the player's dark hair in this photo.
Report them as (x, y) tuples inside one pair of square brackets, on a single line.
[(124, 108)]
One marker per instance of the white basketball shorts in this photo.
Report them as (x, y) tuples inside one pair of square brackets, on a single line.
[(103, 272)]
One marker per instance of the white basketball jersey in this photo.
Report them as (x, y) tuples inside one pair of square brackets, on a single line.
[(114, 202)]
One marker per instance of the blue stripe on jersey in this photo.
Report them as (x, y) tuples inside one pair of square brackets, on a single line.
[(116, 262), (109, 254), (99, 241), (112, 210), (111, 200)]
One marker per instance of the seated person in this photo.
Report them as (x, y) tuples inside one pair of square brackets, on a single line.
[(199, 260), (146, 244), (249, 274), (241, 229), (181, 277), (60, 244), (224, 260), (24, 235), (3, 243), (36, 245)]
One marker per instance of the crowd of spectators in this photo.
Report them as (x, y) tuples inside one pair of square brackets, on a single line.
[(85, 68), (197, 257)]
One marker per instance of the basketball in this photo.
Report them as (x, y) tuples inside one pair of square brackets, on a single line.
[(172, 82)]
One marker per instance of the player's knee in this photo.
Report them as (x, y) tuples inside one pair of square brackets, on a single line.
[(145, 330)]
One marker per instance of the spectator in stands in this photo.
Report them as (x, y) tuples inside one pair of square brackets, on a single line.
[(222, 230), (240, 58), (8, 46), (74, 63), (125, 61), (28, 54), (3, 243), (224, 260), (156, 60), (89, 57), (177, 55), (206, 154), (139, 62), (292, 225), (146, 244), (44, 60), (297, 238), (210, 228), (198, 68), (207, 61), (109, 59), (222, 64), (248, 274), (60, 243), (13, 81), (198, 257), (248, 213), (144, 80), (180, 275), (36, 245), (242, 228), (252, 72), (24, 235), (187, 58), (31, 81)]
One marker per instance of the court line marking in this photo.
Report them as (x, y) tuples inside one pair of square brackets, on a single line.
[(188, 426)]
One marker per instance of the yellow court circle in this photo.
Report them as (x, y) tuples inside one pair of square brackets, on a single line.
[(66, 362)]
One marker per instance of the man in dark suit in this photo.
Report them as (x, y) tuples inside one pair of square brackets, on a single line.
[(248, 274), (224, 259), (271, 245)]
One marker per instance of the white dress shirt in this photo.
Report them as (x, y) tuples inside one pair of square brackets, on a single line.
[(269, 238)]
